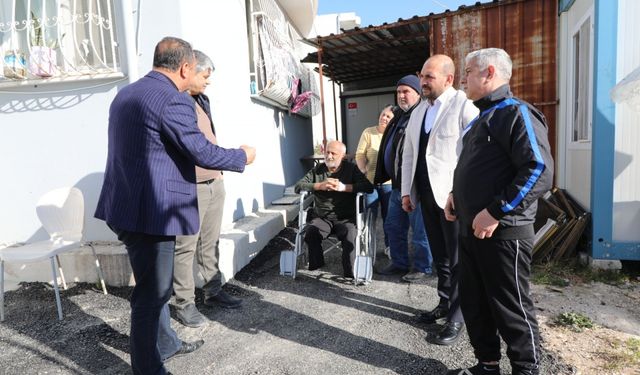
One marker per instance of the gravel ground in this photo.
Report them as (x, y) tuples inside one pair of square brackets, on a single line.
[(316, 324)]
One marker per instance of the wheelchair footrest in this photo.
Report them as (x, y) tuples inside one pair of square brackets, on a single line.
[(288, 263), (362, 269)]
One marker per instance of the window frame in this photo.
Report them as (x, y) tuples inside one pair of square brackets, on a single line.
[(96, 21), (575, 65), (254, 44)]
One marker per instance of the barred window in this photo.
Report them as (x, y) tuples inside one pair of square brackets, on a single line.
[(57, 40), (277, 75)]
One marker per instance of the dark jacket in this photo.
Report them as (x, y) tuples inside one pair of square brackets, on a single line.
[(154, 145), (505, 165), (393, 143), (335, 204), (203, 102)]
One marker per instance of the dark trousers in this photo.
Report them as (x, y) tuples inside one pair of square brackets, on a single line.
[(151, 336), (494, 289), (319, 229), (443, 240)]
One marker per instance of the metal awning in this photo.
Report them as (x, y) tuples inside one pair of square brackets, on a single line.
[(388, 50)]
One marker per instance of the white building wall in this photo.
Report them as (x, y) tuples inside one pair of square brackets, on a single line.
[(626, 194), (55, 135), (574, 159), (323, 26)]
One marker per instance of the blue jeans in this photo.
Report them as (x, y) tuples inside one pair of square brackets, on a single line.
[(397, 228), (152, 339), (380, 197)]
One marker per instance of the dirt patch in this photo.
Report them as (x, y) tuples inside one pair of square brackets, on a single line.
[(612, 346)]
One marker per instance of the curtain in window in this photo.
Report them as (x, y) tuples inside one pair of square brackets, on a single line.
[(57, 38), (278, 66)]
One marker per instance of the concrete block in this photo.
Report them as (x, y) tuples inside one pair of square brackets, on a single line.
[(243, 240), (602, 264), (77, 266), (240, 242)]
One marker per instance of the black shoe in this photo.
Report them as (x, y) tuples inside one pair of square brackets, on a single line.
[(190, 316), (223, 299), (186, 348), (479, 369), (450, 333), (430, 317), (315, 266), (391, 269), (517, 370)]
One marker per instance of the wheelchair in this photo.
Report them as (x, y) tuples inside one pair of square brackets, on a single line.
[(363, 256)]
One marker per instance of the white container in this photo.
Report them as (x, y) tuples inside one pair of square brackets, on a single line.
[(42, 61), (15, 65)]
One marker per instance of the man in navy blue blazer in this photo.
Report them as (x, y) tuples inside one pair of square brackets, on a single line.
[(149, 192)]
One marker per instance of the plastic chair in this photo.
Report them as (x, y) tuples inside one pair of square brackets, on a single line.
[(61, 212)]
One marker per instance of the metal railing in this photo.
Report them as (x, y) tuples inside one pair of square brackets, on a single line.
[(62, 39)]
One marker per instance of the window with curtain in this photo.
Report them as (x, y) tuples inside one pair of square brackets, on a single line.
[(277, 74), (63, 39), (581, 127)]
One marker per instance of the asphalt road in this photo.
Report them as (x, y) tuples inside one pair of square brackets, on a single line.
[(316, 324)]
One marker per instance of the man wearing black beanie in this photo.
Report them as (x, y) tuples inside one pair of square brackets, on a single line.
[(388, 167)]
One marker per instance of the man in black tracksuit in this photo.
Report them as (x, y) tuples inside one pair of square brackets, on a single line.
[(504, 167)]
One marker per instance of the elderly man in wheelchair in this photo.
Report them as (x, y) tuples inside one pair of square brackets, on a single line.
[(334, 186)]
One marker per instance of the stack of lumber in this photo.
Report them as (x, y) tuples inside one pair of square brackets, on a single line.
[(560, 223)]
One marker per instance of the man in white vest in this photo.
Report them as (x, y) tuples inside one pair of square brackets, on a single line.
[(431, 149)]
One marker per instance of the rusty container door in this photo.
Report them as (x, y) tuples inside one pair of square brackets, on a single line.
[(526, 29)]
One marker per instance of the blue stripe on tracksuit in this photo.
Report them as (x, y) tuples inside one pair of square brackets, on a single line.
[(539, 161), (502, 104)]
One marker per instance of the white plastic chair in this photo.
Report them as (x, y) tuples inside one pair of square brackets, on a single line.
[(61, 212)]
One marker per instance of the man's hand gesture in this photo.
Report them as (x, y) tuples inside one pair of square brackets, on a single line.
[(250, 152)]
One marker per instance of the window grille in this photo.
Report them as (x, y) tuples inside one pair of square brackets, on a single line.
[(275, 65), (64, 39)]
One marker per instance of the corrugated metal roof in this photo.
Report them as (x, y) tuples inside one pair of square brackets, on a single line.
[(388, 50), (526, 29), (374, 52)]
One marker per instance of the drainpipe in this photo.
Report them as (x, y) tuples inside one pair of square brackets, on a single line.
[(335, 111), (127, 42), (324, 124)]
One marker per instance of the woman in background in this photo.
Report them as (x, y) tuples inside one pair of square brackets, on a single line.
[(366, 158)]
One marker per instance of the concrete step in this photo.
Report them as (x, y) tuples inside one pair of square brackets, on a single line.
[(240, 242)]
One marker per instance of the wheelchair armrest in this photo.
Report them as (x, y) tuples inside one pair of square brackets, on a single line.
[(361, 202)]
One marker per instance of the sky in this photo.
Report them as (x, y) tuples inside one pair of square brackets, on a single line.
[(377, 12)]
